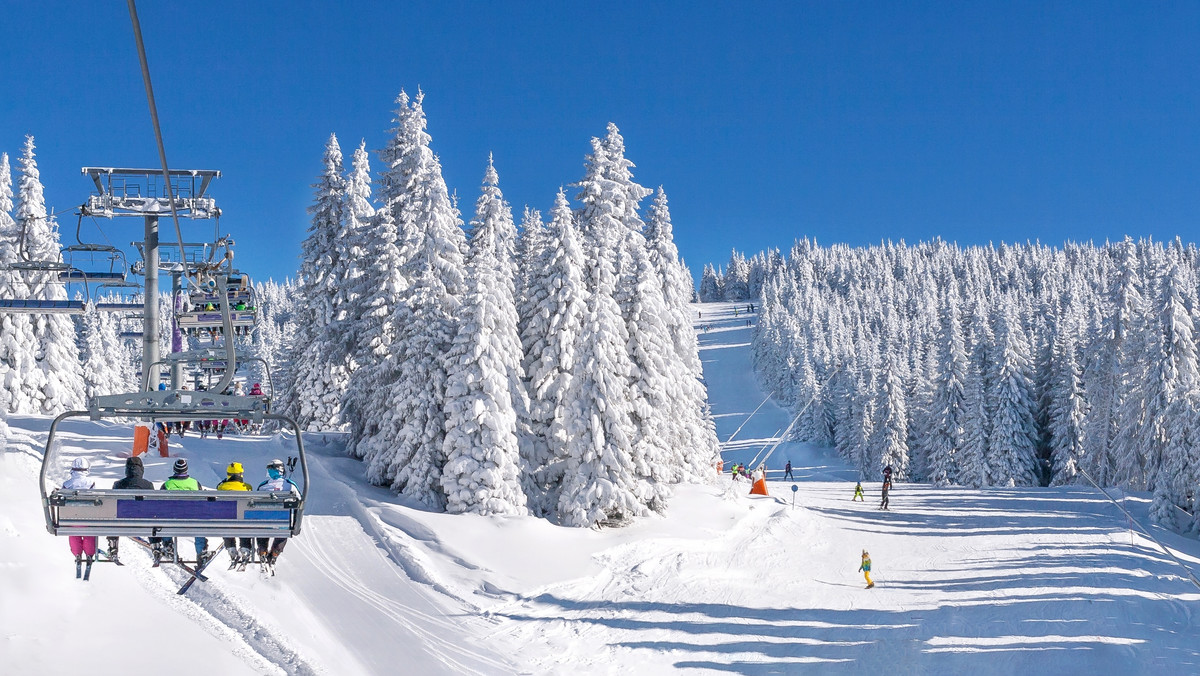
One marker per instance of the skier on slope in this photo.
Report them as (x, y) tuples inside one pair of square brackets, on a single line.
[(787, 471), (134, 471), (240, 551), (858, 493), (276, 481), (887, 486), (80, 481), (865, 568)]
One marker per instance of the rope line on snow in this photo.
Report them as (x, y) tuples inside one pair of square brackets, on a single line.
[(739, 429), (1191, 576), (792, 424)]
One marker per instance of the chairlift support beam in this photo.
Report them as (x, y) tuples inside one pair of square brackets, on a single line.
[(139, 192)]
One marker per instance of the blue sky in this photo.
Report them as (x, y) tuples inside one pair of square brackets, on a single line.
[(847, 122)]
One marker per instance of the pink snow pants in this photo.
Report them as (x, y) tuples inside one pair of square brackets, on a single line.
[(85, 544)]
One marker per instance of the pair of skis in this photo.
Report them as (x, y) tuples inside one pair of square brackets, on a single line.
[(83, 567), (265, 561), (196, 572)]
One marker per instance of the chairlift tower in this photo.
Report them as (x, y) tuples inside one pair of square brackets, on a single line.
[(141, 192)]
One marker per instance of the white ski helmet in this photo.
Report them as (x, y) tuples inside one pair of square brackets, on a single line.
[(80, 464)]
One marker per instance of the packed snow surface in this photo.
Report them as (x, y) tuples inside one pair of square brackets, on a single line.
[(981, 582)]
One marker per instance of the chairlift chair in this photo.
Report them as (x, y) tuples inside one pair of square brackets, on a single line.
[(158, 513)]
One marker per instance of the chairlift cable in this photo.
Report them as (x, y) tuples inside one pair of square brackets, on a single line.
[(162, 152)]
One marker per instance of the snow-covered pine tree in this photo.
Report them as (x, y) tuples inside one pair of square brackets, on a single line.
[(710, 291), (948, 411), (892, 432), (698, 435), (377, 290), (405, 450), (101, 351), (599, 481), (404, 432), (481, 473), (1013, 440), (1123, 339), (413, 188), (530, 259), (61, 386), (639, 294), (974, 456), (20, 377), (493, 234), (357, 218), (557, 299), (1176, 389), (1068, 406), (737, 278), (314, 397)]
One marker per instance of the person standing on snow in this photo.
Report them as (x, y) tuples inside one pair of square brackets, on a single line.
[(276, 481), (133, 481), (787, 471), (887, 486), (180, 481), (80, 481), (865, 568), (858, 493)]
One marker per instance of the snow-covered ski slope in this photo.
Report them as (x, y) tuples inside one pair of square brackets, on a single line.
[(968, 582)]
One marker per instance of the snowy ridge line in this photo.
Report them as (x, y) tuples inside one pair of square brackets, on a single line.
[(1188, 571)]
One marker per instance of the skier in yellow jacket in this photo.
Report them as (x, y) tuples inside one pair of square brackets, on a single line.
[(866, 568), (239, 551)]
